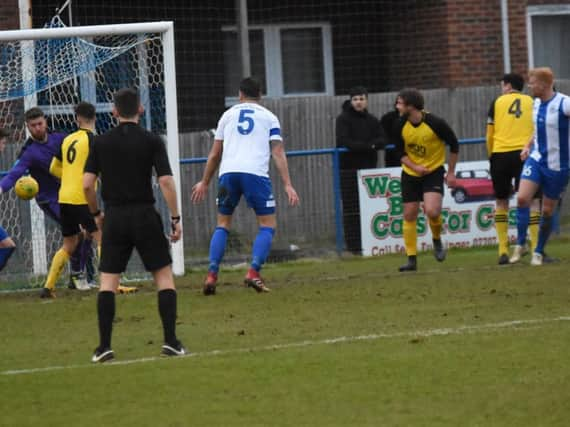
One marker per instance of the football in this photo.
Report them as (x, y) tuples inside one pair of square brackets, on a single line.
[(26, 188)]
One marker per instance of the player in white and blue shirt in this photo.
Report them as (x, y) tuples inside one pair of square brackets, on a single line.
[(247, 136), (547, 158), (551, 147)]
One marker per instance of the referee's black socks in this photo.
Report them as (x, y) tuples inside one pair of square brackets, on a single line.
[(106, 313), (167, 310)]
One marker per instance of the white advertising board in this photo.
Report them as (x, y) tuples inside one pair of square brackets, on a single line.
[(468, 211)]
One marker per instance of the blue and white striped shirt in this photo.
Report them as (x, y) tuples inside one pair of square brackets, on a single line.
[(551, 146)]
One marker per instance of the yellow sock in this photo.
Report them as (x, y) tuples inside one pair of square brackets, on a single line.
[(410, 237), (533, 226), (502, 228), (57, 263), (435, 226)]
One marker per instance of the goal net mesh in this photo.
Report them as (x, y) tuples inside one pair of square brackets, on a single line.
[(56, 74)]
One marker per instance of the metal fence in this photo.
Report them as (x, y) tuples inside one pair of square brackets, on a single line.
[(308, 129), (308, 126)]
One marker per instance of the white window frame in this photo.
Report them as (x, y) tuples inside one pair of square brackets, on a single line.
[(542, 10), (274, 59)]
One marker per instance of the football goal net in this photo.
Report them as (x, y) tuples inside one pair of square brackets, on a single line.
[(55, 68)]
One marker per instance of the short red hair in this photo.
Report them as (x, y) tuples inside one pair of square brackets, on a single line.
[(543, 74)]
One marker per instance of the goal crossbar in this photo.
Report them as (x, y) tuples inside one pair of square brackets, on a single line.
[(87, 31)]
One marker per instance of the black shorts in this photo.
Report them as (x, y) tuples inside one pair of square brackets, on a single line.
[(414, 187), (74, 216), (506, 167), (133, 226)]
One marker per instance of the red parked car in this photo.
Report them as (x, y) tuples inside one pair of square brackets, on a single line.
[(472, 185)]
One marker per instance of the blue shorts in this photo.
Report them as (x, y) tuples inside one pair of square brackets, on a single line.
[(552, 183), (3, 234), (256, 190)]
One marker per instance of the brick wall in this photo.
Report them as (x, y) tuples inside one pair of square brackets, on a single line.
[(517, 36), (9, 15), (383, 44), (474, 42), (417, 51), (538, 2), (450, 43), (444, 43)]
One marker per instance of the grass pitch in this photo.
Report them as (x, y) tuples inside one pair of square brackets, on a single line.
[(337, 342)]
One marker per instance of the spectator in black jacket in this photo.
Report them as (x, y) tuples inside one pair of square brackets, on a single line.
[(362, 134), (389, 121)]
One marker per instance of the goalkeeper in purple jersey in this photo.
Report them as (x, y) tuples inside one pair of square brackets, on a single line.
[(35, 157)]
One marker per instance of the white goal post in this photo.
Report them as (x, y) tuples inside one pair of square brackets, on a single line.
[(149, 49)]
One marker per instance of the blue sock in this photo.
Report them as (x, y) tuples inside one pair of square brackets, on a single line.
[(217, 248), (5, 255), (261, 247), (543, 233), (523, 218)]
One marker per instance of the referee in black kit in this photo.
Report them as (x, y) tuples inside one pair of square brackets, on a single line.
[(124, 157)]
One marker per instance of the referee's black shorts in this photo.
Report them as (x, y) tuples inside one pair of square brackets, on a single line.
[(74, 216), (414, 187), (133, 226), (506, 167)]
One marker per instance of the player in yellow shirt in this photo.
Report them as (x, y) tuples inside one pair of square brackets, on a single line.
[(509, 128), (421, 149), (75, 215)]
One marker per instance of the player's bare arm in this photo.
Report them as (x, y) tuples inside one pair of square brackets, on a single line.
[(421, 170), (445, 132), (89, 183), (200, 189), (280, 160), (489, 138), (168, 189), (526, 149), (450, 175)]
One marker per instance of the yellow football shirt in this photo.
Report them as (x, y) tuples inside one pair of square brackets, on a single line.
[(510, 117), (74, 152), (424, 143)]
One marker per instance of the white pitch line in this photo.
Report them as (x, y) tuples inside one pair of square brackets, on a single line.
[(345, 339)]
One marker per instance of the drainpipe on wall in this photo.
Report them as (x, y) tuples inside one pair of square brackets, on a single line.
[(506, 40), (243, 38)]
